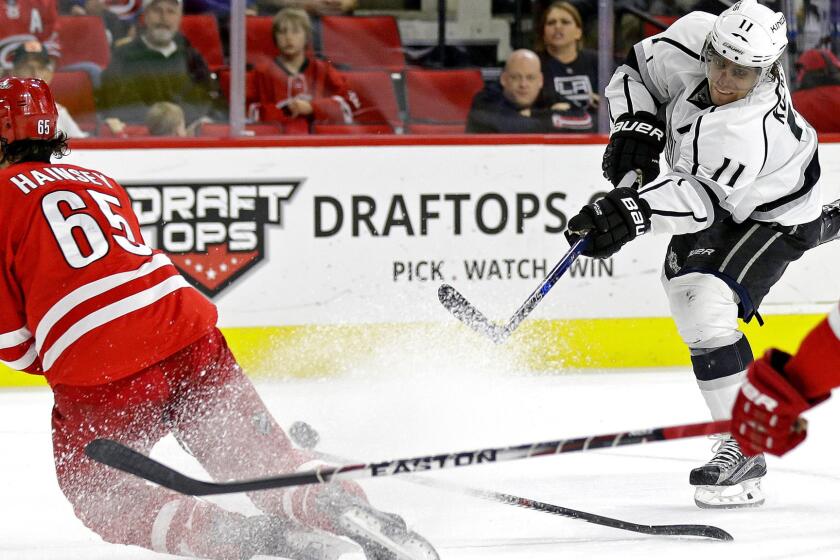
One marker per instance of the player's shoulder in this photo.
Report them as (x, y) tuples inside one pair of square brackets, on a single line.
[(690, 30)]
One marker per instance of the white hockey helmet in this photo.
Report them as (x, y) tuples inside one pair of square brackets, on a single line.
[(749, 34)]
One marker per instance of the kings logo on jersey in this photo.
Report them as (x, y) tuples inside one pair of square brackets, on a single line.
[(213, 233)]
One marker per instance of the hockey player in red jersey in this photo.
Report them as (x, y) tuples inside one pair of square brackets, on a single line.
[(132, 353), (765, 417)]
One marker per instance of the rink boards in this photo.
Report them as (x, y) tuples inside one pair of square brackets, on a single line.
[(324, 257)]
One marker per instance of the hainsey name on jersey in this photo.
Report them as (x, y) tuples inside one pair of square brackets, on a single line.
[(79, 285)]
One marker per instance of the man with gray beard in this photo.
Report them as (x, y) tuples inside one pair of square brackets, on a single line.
[(158, 65)]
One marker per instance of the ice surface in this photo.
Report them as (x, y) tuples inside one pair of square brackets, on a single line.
[(389, 416)]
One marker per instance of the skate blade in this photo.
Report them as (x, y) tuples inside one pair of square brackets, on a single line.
[(408, 545), (313, 544), (746, 494)]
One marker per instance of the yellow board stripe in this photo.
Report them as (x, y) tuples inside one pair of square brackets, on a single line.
[(538, 346)]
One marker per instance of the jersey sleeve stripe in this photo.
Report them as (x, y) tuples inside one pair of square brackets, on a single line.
[(88, 291), (680, 215), (627, 95), (647, 81), (24, 361), (109, 313), (13, 338), (678, 45), (710, 193)]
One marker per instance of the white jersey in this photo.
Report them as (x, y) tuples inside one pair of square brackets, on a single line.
[(753, 158)]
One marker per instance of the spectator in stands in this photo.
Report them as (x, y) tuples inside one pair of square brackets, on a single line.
[(314, 7), (297, 90), (568, 70), (166, 119), (27, 20), (158, 65), (31, 60), (516, 106), (817, 97)]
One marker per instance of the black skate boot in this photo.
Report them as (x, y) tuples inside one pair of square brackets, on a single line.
[(731, 479), (830, 226)]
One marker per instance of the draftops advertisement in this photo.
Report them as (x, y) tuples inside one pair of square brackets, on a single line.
[(361, 234)]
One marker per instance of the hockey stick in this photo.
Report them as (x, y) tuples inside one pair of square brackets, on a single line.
[(468, 314), (119, 456), (307, 437)]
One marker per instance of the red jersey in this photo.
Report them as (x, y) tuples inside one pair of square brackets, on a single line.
[(25, 20), (815, 369), (82, 299), (317, 82)]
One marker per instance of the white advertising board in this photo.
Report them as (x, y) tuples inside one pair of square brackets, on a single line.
[(350, 235)]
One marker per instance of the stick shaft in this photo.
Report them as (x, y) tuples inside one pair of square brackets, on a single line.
[(116, 455)]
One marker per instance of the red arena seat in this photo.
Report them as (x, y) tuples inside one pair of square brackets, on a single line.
[(362, 42), (258, 38), (75, 92), (423, 128), (377, 98), (82, 39), (202, 31), (441, 97), (352, 129), (222, 130)]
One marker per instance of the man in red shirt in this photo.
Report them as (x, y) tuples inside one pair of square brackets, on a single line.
[(132, 353), (27, 20), (817, 95)]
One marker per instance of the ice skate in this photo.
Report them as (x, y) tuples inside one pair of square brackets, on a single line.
[(730, 480), (830, 225), (382, 536), (266, 535)]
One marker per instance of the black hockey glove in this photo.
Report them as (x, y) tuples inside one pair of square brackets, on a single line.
[(613, 220), (636, 142)]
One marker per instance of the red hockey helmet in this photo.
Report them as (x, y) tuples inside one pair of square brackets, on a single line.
[(27, 110)]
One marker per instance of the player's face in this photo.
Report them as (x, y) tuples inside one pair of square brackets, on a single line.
[(560, 29), (291, 39), (729, 82)]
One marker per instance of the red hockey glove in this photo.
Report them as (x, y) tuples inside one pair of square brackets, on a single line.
[(765, 417)]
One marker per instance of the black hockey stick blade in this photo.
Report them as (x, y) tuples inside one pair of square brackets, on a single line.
[(467, 313), (119, 456), (704, 531)]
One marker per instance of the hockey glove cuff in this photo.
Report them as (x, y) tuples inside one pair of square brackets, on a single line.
[(614, 220), (635, 143), (765, 417)]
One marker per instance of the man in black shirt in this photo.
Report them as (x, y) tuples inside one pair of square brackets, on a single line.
[(158, 65), (515, 106)]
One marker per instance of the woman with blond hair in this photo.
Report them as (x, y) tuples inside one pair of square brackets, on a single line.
[(569, 71), (295, 89)]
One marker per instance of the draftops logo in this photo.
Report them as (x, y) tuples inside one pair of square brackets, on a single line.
[(213, 232)]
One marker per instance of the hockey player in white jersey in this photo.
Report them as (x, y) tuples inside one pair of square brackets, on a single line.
[(741, 197)]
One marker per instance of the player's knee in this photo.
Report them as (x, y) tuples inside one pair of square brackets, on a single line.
[(704, 309)]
